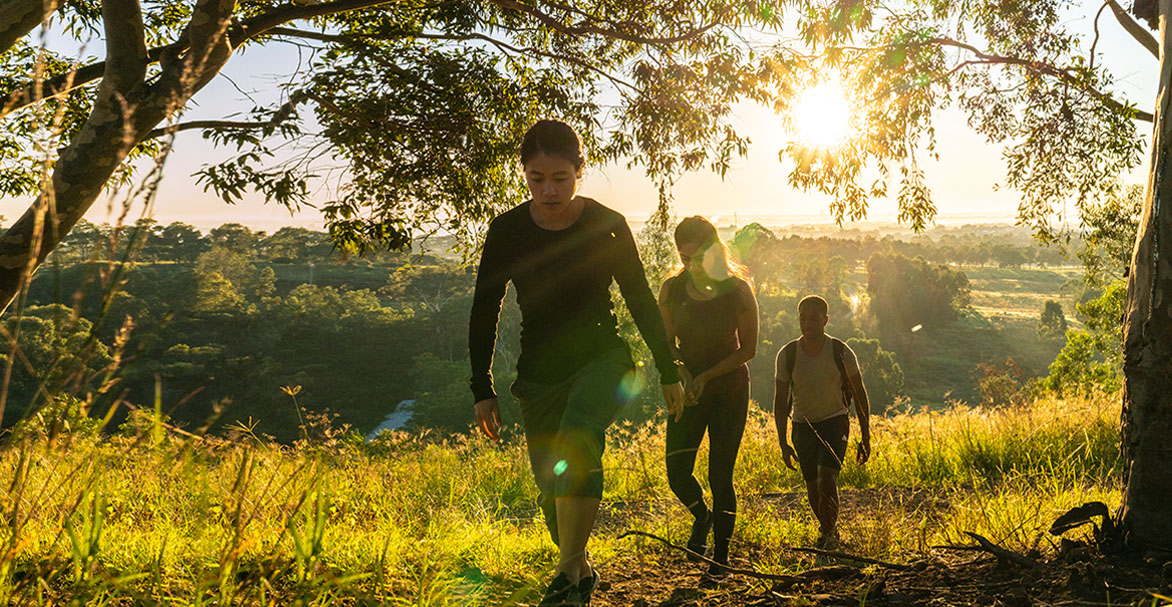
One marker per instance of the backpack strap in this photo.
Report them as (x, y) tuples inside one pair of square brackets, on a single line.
[(847, 394), (838, 346), (791, 358)]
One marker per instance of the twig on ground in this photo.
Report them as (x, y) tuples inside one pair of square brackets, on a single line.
[(852, 557), (821, 573)]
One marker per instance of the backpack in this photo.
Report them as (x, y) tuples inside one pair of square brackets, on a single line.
[(791, 358)]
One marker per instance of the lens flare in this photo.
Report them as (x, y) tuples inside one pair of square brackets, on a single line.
[(560, 467), (632, 385)]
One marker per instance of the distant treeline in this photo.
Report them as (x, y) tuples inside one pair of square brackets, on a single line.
[(224, 326)]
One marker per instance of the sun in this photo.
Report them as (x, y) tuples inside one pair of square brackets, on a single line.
[(821, 116)]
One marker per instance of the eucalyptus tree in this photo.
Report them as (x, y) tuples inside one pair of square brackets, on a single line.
[(1026, 79), (411, 110)]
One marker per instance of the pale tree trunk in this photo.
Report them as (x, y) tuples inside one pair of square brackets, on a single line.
[(1146, 512)]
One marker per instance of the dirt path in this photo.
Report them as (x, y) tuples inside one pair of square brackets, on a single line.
[(1079, 577)]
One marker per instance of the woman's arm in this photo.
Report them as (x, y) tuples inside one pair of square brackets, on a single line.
[(628, 272), (492, 278), (746, 333), (670, 327), (668, 321)]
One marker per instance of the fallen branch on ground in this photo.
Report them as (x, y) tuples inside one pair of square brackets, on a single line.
[(821, 573), (852, 557), (1001, 553)]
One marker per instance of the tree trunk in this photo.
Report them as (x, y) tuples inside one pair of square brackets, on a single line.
[(125, 111), (1146, 512)]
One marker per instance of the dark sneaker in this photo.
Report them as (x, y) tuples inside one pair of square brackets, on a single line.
[(717, 571), (698, 542), (827, 541), (561, 593), (586, 587)]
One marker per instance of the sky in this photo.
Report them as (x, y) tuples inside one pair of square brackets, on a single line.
[(964, 181)]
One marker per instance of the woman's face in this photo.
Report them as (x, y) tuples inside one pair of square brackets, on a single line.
[(552, 180), (692, 256)]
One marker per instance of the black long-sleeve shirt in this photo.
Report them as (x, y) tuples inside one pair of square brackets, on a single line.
[(563, 280)]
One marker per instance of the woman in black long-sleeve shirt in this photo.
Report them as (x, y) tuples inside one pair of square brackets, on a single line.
[(561, 252)]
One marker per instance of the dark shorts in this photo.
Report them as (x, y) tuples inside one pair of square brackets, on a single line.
[(821, 444), (565, 427)]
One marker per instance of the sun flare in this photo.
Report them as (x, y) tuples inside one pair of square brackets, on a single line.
[(821, 116)]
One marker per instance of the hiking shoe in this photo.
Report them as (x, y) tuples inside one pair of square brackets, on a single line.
[(561, 593), (698, 542), (827, 541), (717, 571), (586, 587)]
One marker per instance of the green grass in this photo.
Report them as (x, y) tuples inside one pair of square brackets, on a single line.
[(413, 520)]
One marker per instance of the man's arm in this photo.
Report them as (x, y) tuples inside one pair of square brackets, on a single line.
[(863, 407), (781, 411)]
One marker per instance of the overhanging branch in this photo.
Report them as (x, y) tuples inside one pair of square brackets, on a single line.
[(581, 30), (1137, 31), (19, 17), (1043, 69), (504, 46), (208, 124), (257, 26)]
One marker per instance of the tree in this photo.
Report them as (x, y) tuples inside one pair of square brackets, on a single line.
[(184, 243), (1052, 322), (420, 105), (1028, 81), (882, 375), (910, 293)]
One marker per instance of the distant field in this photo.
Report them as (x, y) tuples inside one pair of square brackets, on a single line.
[(1001, 323), (1019, 293)]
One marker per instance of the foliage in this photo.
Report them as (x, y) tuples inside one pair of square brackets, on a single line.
[(1018, 70), (882, 376), (908, 293), (1052, 322), (1092, 358), (1078, 369), (51, 352), (1001, 385), (441, 400)]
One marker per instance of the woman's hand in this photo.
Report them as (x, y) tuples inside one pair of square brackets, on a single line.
[(674, 395), (697, 388), (488, 417)]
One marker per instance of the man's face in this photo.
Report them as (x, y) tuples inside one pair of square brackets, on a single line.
[(812, 320)]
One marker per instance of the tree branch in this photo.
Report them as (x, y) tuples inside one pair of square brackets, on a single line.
[(556, 25), (261, 24), (19, 17), (126, 53), (1137, 31), (504, 46), (1045, 69), (278, 117), (64, 83), (822, 573)]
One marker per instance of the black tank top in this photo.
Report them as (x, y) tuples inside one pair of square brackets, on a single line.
[(707, 329)]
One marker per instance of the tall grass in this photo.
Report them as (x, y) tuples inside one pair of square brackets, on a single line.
[(426, 520)]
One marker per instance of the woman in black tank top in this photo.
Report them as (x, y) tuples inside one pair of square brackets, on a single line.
[(710, 314)]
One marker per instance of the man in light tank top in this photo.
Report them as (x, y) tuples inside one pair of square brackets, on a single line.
[(812, 370)]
